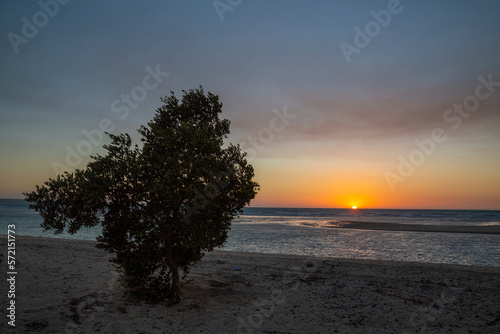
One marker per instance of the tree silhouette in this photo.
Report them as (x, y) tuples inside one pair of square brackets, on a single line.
[(161, 205)]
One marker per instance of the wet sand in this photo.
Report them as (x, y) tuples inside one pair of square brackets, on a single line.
[(488, 229)]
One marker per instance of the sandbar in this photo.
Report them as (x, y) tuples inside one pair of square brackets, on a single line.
[(486, 229)]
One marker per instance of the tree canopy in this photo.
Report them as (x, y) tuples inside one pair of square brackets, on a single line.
[(163, 204)]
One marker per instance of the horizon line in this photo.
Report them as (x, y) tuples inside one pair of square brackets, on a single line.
[(334, 208)]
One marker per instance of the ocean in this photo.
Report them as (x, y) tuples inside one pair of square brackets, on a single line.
[(306, 232)]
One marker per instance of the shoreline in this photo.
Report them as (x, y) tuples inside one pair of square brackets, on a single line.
[(223, 252), (486, 229), (69, 285), (284, 255)]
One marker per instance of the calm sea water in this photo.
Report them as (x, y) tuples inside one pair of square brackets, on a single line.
[(301, 232)]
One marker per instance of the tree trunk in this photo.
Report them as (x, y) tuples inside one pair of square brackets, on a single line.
[(176, 286)]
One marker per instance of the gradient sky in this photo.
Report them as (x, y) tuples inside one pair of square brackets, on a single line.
[(353, 121)]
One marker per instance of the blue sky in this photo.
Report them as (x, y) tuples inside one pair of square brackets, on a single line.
[(358, 116)]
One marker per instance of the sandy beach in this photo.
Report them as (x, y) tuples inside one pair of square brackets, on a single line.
[(68, 286)]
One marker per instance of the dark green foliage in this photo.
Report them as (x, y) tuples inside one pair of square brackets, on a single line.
[(163, 205)]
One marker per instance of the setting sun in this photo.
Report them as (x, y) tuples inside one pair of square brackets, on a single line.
[(354, 207)]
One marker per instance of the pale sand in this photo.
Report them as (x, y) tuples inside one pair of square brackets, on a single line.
[(486, 229), (68, 286)]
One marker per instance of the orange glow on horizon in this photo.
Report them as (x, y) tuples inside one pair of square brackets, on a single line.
[(322, 183)]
